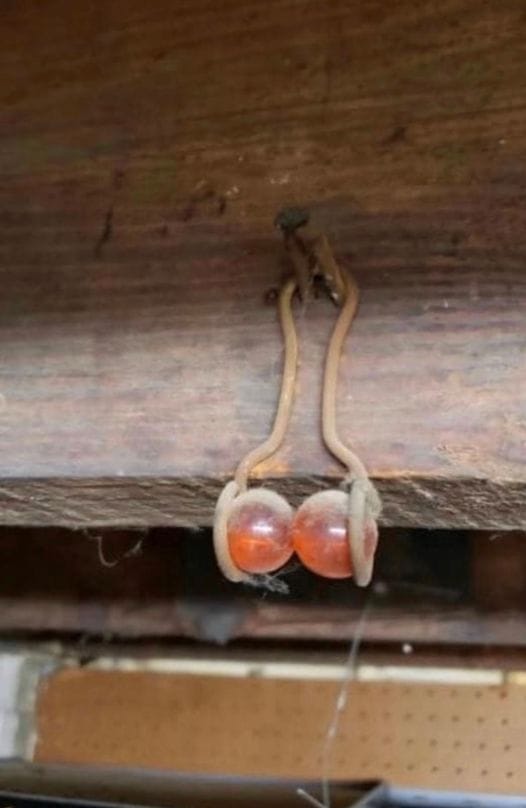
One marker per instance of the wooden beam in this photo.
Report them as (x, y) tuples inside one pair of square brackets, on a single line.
[(144, 156), (188, 501), (220, 622)]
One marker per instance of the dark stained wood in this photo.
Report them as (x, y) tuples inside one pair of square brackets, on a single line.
[(449, 625), (144, 153), (498, 570), (165, 586), (222, 623)]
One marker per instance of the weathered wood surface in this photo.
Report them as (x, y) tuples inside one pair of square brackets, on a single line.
[(144, 151), (221, 623), (188, 501)]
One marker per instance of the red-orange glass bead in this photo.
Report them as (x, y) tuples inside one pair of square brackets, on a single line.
[(258, 531), (320, 538)]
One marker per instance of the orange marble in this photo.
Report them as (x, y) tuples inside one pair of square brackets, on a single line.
[(259, 531), (319, 535)]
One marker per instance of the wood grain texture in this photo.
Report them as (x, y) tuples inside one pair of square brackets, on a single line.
[(144, 152), (214, 622), (188, 501)]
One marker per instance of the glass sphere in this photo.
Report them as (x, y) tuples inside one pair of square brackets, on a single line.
[(319, 534), (258, 531)]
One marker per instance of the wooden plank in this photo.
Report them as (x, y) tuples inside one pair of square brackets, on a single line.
[(188, 501), (217, 622), (143, 157), (428, 625)]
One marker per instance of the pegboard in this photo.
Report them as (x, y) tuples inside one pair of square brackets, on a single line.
[(446, 736)]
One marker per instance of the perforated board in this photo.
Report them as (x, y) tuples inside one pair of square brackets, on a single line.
[(459, 736)]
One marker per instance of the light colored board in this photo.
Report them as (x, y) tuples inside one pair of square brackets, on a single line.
[(448, 736)]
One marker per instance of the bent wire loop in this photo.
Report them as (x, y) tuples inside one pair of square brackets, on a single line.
[(310, 256)]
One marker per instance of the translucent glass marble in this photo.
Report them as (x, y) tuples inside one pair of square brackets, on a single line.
[(258, 531), (319, 535)]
